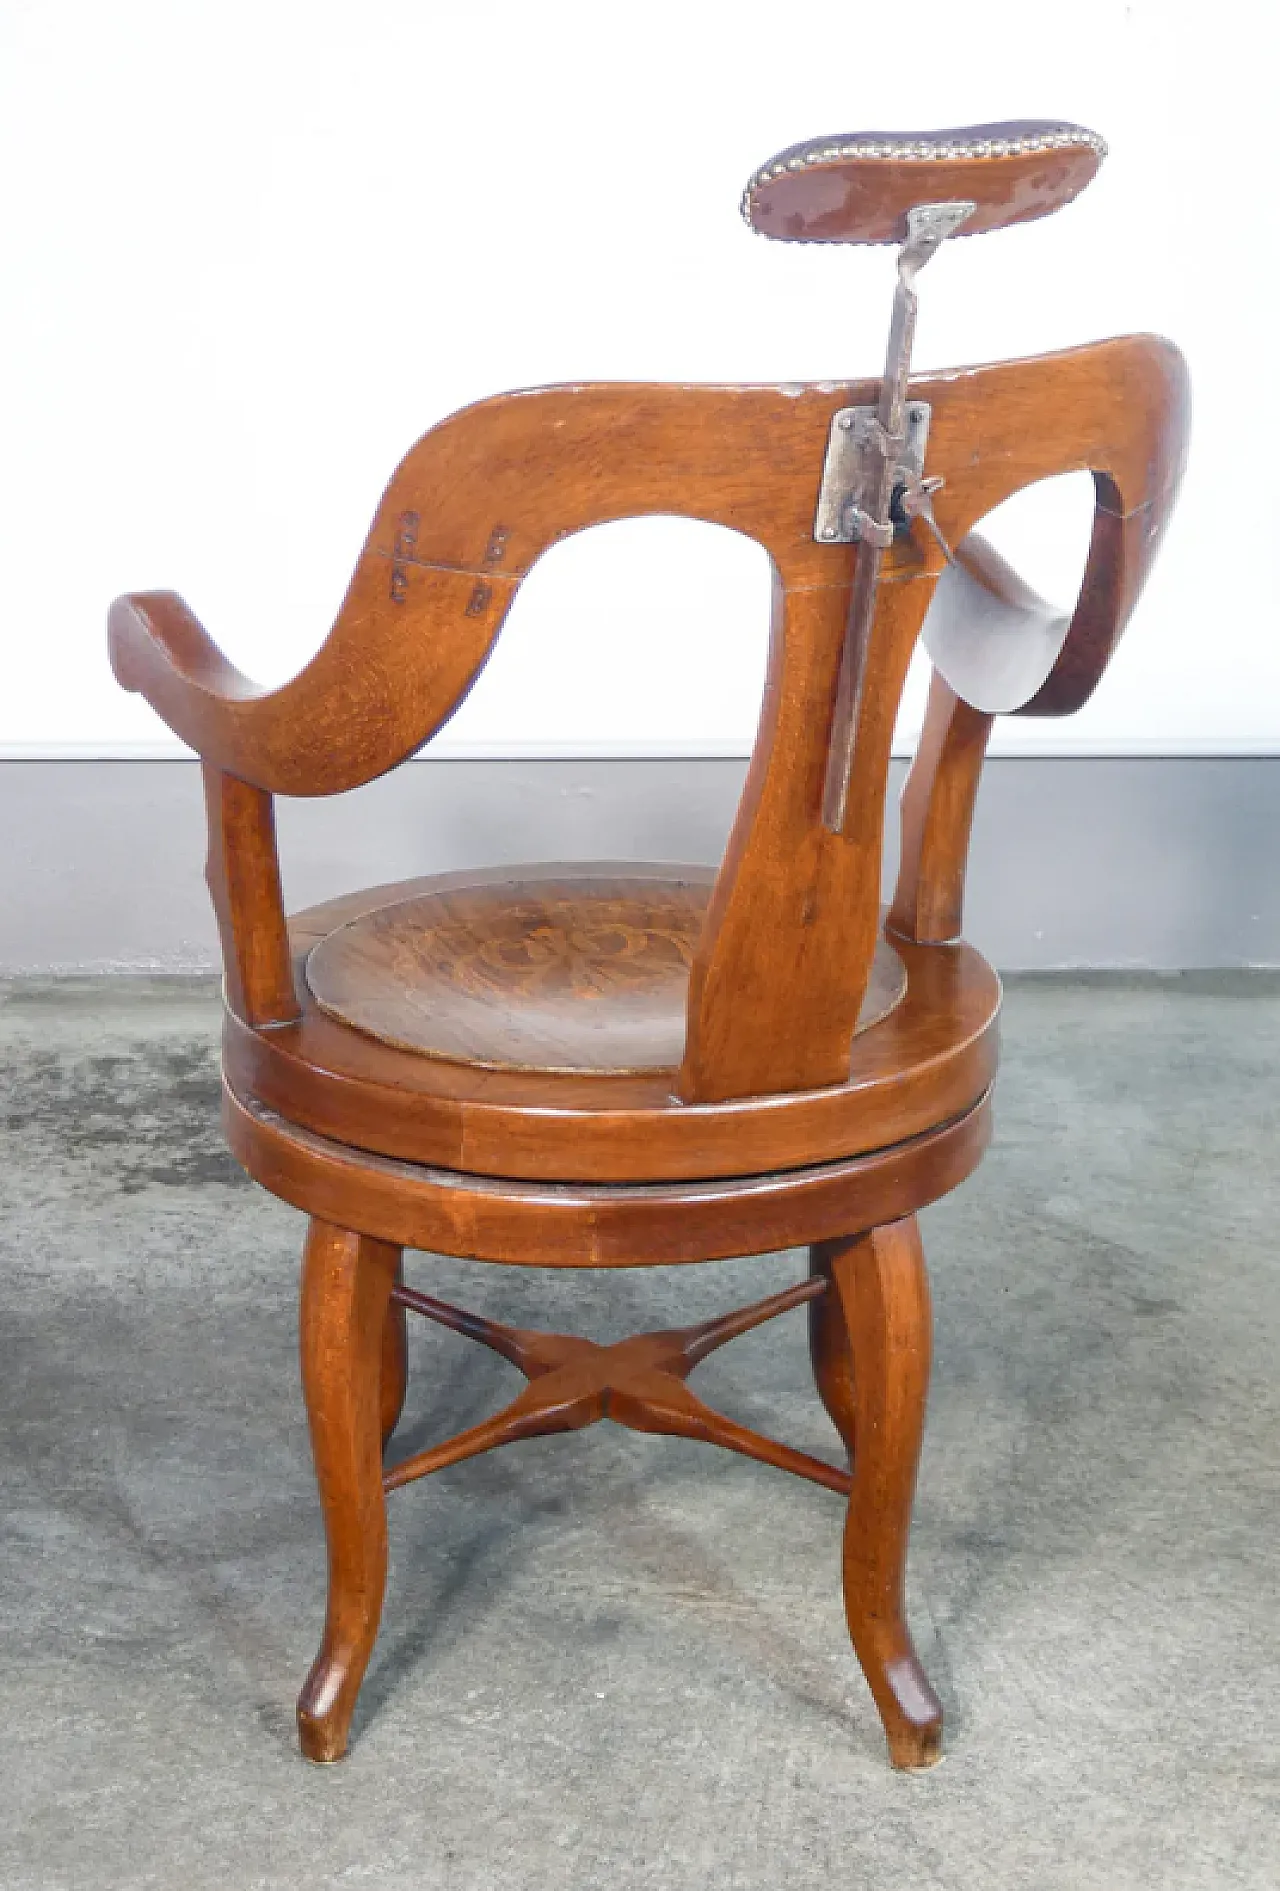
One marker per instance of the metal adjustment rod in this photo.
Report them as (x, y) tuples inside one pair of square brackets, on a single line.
[(913, 189), (873, 486)]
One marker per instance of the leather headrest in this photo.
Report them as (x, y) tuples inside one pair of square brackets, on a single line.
[(857, 188)]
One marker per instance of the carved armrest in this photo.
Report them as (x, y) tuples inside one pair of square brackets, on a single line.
[(999, 649), (1006, 652), (388, 674), (989, 634), (159, 649)]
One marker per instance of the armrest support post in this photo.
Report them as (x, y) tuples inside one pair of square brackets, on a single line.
[(243, 873), (937, 818)]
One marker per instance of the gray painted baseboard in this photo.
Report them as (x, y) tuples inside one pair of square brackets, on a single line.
[(1166, 863)]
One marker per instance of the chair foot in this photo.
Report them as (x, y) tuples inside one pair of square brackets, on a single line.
[(909, 1708), (346, 1289), (322, 1734), (881, 1288)]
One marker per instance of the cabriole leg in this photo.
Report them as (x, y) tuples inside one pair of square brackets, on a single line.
[(346, 1289), (829, 1349), (879, 1282), (395, 1362)]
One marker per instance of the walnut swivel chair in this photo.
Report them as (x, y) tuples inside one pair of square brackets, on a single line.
[(620, 1065)]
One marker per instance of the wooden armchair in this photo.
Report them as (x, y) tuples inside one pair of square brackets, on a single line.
[(617, 1065)]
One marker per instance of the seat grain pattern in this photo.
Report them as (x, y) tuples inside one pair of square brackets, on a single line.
[(554, 970)]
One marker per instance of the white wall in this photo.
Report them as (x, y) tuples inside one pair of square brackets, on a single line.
[(252, 250)]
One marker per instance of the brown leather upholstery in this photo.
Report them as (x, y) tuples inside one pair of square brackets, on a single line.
[(857, 187)]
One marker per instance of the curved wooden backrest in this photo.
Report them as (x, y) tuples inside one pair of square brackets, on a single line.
[(783, 963)]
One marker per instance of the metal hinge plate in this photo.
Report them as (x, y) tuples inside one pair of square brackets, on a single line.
[(844, 495)]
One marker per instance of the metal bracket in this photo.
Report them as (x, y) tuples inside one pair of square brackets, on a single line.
[(856, 449), (886, 487)]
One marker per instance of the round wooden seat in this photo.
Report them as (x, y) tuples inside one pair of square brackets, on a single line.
[(548, 972), (529, 1025)]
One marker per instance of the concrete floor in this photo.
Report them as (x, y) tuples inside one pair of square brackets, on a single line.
[(616, 1661)]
